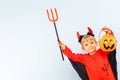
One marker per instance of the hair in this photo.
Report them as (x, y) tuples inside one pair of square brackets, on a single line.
[(81, 36), (86, 37)]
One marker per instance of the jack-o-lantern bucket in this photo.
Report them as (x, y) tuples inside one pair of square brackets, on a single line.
[(108, 43)]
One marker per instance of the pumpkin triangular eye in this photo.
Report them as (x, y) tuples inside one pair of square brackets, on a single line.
[(111, 40), (105, 40)]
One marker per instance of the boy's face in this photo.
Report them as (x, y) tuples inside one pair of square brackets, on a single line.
[(89, 44)]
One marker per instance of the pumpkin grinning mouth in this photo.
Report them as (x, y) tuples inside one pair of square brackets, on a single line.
[(108, 47)]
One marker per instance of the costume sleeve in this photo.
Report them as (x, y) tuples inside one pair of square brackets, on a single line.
[(113, 63), (103, 52), (73, 56)]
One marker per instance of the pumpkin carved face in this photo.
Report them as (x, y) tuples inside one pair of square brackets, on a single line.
[(108, 43)]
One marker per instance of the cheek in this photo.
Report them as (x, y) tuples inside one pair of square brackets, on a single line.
[(84, 47), (95, 44)]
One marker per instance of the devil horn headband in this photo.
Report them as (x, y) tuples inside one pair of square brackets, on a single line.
[(90, 32), (78, 35)]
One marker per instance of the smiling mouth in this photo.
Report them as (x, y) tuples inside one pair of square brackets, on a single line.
[(91, 48), (108, 47)]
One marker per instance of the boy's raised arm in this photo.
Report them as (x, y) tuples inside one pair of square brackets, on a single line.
[(107, 30), (61, 44)]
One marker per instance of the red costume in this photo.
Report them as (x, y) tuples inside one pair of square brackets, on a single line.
[(97, 65)]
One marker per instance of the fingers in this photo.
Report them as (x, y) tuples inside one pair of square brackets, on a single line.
[(107, 30), (61, 44)]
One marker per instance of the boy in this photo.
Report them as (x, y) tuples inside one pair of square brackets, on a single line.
[(95, 61)]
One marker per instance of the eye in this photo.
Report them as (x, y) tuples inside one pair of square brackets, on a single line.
[(86, 44), (91, 42)]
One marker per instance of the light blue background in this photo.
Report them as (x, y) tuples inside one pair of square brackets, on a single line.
[(28, 44)]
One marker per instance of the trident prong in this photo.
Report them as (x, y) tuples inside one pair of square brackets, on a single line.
[(52, 19)]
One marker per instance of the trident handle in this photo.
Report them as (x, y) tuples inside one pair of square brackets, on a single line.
[(53, 19), (58, 40)]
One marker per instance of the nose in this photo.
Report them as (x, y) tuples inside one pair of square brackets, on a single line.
[(90, 45)]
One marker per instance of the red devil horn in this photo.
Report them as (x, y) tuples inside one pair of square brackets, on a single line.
[(90, 30), (78, 35)]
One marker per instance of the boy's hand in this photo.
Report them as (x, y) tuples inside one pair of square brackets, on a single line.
[(107, 30), (61, 44)]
